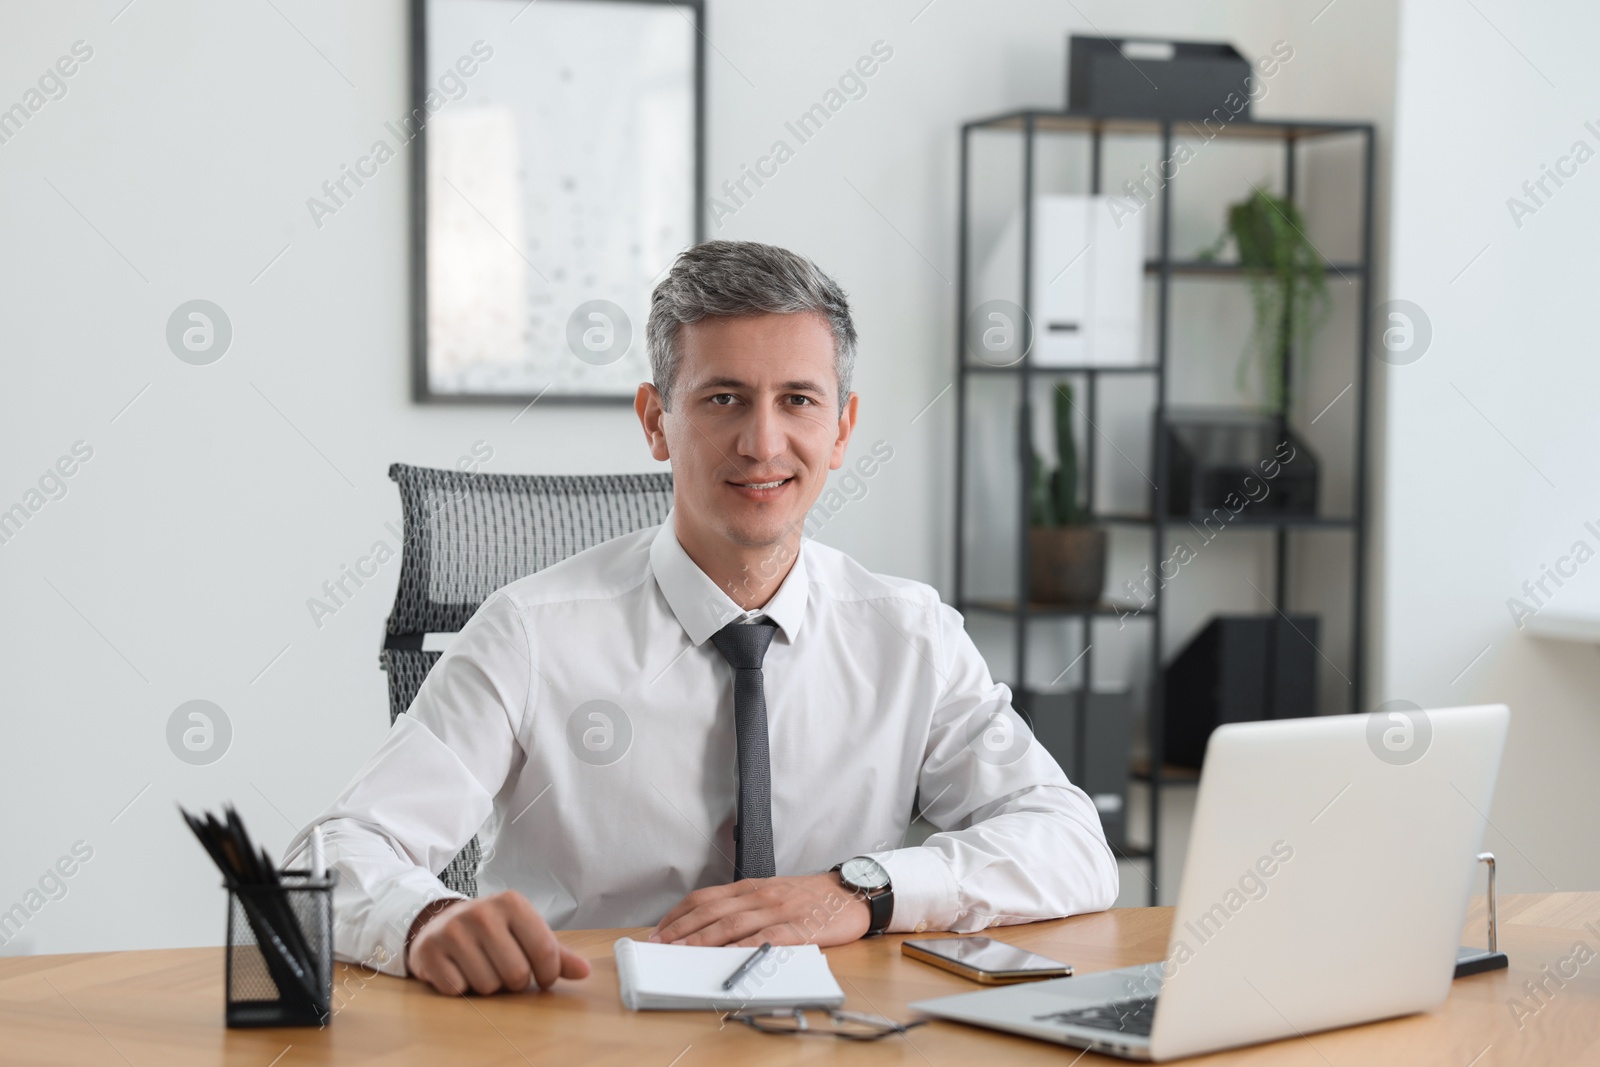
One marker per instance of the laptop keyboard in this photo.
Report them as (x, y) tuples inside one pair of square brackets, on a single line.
[(1123, 1016)]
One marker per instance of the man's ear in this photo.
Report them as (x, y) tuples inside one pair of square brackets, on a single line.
[(647, 405), (847, 424)]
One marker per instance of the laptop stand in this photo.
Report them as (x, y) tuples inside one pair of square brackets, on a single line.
[(1471, 960)]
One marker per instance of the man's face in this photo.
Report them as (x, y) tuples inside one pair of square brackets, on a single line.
[(754, 427)]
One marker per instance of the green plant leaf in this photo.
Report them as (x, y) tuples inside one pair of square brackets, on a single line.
[(1042, 510), (1288, 291)]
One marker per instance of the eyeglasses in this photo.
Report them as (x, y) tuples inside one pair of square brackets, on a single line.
[(850, 1025)]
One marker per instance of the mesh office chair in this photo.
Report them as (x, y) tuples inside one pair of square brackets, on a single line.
[(467, 535)]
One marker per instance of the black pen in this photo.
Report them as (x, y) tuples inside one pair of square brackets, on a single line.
[(750, 961)]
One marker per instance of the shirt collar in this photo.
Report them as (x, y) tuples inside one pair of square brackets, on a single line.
[(702, 608)]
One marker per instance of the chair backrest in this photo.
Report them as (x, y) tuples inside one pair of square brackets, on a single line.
[(468, 534)]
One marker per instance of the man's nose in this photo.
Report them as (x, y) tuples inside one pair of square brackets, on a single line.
[(761, 438)]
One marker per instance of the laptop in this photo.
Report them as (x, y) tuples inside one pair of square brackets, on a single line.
[(1329, 869)]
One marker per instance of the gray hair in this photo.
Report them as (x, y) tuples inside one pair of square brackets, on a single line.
[(744, 278)]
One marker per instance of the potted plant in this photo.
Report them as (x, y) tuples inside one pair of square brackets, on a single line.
[(1067, 555), (1287, 286)]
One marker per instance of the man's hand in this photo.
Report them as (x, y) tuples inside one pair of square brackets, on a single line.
[(806, 909), (487, 945)]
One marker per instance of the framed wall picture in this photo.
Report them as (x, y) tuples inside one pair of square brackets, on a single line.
[(557, 172)]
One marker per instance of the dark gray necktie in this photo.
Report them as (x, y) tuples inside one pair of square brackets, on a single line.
[(744, 646)]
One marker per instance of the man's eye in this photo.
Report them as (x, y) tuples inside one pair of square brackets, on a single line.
[(723, 399), (801, 401)]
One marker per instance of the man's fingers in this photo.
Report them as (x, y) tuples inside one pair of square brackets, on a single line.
[(730, 928), (704, 916), (507, 955), (705, 896), (486, 928), (540, 946), (573, 965), (462, 949), (490, 944), (447, 978)]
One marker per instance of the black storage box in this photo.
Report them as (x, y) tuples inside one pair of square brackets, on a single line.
[(1134, 77), (1108, 740), (1255, 459), (1238, 669)]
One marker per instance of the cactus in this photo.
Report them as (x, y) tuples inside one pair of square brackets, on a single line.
[(1055, 492)]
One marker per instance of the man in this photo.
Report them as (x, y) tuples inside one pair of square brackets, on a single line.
[(712, 726)]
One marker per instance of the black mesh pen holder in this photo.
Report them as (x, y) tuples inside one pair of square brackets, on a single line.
[(280, 951)]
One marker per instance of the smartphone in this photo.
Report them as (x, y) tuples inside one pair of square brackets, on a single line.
[(983, 959)]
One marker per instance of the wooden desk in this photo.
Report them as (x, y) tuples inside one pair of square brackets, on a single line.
[(165, 1008)]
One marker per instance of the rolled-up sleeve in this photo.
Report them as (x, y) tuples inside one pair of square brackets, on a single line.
[(1017, 841), (417, 802)]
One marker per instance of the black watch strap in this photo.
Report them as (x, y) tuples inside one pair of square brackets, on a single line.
[(882, 907)]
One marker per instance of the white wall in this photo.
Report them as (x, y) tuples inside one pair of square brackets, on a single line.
[(178, 565), (1491, 470)]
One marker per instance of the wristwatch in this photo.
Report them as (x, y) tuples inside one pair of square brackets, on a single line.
[(866, 877)]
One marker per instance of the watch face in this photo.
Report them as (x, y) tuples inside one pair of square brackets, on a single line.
[(864, 872)]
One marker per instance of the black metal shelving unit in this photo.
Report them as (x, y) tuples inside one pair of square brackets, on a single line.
[(1163, 269)]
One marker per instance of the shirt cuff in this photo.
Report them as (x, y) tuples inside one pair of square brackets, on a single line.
[(391, 917), (925, 890)]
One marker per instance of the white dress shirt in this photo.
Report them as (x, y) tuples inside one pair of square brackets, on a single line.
[(582, 724)]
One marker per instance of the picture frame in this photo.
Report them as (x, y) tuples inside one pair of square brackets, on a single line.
[(557, 171)]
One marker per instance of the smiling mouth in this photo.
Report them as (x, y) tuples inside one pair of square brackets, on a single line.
[(763, 485)]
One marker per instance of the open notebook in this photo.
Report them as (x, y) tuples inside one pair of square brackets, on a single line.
[(689, 977)]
